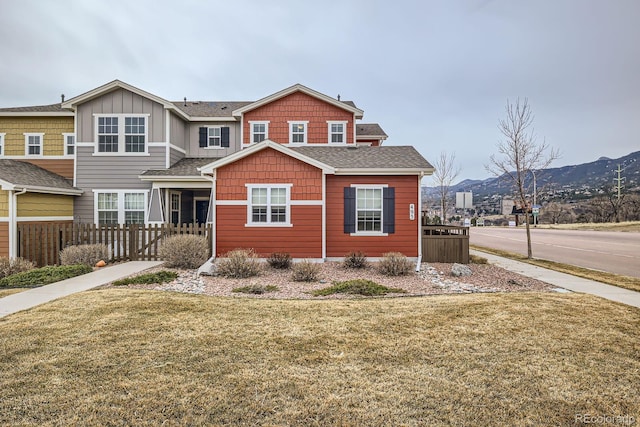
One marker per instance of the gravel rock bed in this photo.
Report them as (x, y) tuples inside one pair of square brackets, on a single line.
[(433, 278)]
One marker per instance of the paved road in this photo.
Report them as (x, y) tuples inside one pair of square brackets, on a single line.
[(615, 252)]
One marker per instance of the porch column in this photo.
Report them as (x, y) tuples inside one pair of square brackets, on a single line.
[(156, 211)]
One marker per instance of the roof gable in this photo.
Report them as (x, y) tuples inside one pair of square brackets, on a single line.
[(348, 106), (117, 84), (208, 169)]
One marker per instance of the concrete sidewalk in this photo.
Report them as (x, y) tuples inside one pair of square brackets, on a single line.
[(563, 280), (36, 296)]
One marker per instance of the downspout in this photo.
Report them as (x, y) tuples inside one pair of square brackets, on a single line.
[(419, 215), (13, 222)]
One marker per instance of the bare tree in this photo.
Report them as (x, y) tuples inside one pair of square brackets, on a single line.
[(443, 176), (520, 154)]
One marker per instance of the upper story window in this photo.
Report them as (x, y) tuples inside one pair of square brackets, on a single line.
[(298, 132), (337, 132), (69, 144), (2, 144), (120, 134), (269, 205), (214, 137), (33, 144), (259, 131)]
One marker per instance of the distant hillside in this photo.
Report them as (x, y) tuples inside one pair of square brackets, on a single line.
[(594, 175)]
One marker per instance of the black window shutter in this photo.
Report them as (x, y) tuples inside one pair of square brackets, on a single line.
[(389, 210), (224, 137), (204, 134), (349, 210)]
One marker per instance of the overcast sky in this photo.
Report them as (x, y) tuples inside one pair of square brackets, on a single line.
[(434, 74)]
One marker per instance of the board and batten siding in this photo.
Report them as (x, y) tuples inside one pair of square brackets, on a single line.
[(111, 173), (179, 131), (405, 237), (120, 101), (194, 148), (303, 239)]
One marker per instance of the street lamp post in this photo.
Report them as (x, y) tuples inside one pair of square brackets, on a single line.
[(535, 217)]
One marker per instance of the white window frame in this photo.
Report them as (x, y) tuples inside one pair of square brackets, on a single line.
[(370, 232), (2, 135), (67, 144), (121, 205), (305, 134), (40, 144), (330, 133), (268, 223), (122, 135), (253, 132), (172, 210), (210, 137)]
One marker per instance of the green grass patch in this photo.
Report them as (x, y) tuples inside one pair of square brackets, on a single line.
[(358, 287), (619, 280), (44, 276), (148, 278), (255, 289)]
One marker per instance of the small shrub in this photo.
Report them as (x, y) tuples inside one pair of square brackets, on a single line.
[(475, 259), (280, 260), (256, 289), (184, 251), (44, 275), (148, 278), (84, 254), (239, 264), (395, 264), (305, 271), (14, 265), (358, 287), (355, 260)]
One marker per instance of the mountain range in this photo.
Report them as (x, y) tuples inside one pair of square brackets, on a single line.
[(594, 175)]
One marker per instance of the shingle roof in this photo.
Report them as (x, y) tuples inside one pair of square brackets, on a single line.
[(27, 175), (369, 129), (352, 157), (210, 108), (52, 108), (184, 167)]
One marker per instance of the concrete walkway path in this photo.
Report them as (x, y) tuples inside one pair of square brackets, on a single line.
[(36, 296), (563, 280)]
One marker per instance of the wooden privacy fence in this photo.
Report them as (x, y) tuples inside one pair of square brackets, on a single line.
[(42, 243), (445, 243)]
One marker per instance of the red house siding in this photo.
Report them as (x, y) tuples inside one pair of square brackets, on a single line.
[(297, 106), (373, 142), (303, 239), (405, 238)]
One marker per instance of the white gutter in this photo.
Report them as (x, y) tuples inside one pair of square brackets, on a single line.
[(13, 223)]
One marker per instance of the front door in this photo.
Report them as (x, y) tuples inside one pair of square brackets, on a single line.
[(202, 208)]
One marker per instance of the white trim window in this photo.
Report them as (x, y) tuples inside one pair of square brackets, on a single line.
[(112, 130), (175, 202), (337, 132), (2, 144), (214, 136), (120, 206), (298, 132), (69, 144), (269, 205), (33, 144), (259, 131), (369, 210)]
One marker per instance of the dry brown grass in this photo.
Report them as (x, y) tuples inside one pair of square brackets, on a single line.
[(629, 226), (626, 282), (7, 292), (129, 357)]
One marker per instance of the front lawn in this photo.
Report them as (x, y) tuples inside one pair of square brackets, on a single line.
[(130, 357)]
